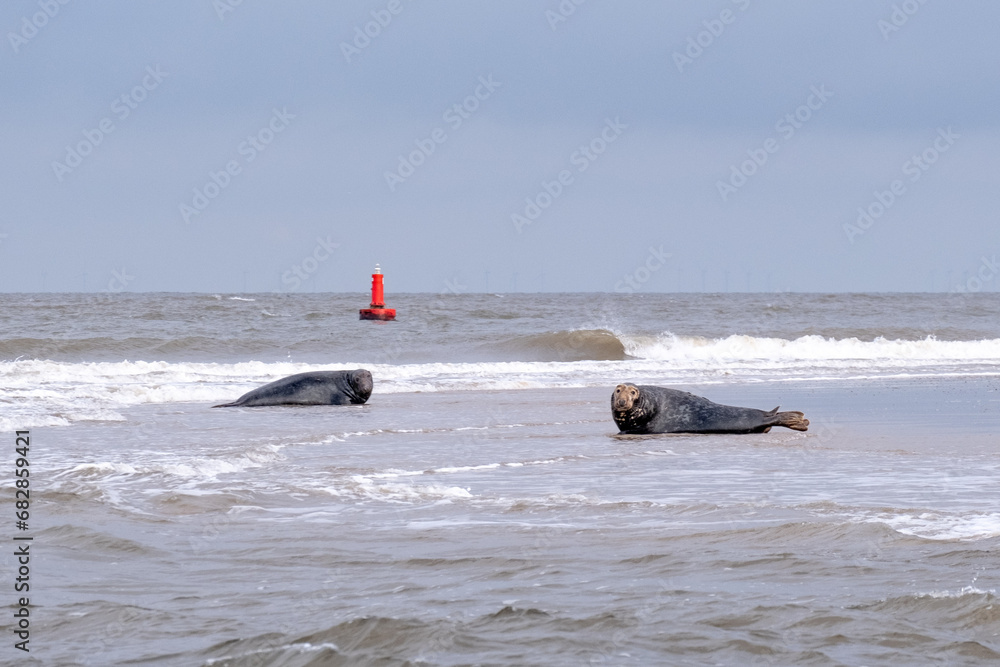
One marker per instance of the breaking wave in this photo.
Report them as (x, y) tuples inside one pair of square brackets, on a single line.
[(37, 392), (578, 345), (741, 348)]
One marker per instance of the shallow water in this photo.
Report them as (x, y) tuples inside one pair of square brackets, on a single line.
[(486, 512)]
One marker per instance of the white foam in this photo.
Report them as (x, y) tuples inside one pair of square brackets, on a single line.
[(103, 468), (365, 487), (51, 393), (393, 473), (298, 647), (743, 349), (194, 468), (941, 526), (968, 590), (25, 419), (489, 466)]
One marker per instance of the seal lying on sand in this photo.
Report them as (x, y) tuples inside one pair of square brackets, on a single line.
[(314, 388), (646, 409)]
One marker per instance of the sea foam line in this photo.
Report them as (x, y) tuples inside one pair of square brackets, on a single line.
[(939, 526), (669, 346), (43, 392)]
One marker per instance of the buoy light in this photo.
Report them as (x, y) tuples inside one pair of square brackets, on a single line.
[(377, 309)]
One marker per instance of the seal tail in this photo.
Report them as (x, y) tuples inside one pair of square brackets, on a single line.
[(227, 405), (793, 420)]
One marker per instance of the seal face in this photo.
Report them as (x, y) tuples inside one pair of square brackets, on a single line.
[(624, 398), (311, 388), (649, 409), (628, 408)]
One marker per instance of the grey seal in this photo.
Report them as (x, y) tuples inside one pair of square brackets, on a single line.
[(648, 409), (312, 388)]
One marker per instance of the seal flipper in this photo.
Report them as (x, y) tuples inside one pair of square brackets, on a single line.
[(793, 420)]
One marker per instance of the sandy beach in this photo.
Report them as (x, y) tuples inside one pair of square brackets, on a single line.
[(506, 527)]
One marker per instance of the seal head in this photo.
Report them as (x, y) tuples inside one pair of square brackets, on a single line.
[(629, 408), (360, 384)]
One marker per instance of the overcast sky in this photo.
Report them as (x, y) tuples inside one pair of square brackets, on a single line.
[(740, 145)]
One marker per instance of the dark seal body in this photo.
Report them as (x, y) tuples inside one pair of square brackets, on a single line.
[(646, 409), (313, 388)]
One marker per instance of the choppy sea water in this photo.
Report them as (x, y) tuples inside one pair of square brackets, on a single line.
[(480, 508)]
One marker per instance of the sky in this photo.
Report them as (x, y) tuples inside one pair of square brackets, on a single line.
[(515, 146)]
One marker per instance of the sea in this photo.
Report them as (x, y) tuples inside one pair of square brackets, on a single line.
[(481, 508)]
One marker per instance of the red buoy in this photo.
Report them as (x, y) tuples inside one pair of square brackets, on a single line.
[(378, 311)]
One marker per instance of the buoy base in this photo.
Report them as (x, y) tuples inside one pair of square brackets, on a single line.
[(378, 314)]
